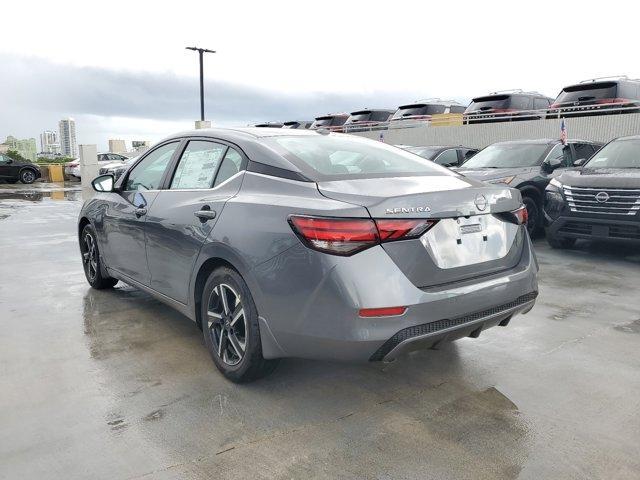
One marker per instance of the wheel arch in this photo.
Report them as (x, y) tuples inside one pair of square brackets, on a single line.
[(532, 191), (205, 269)]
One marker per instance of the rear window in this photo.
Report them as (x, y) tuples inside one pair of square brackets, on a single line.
[(516, 102), (336, 157), (425, 152), (507, 155), (418, 109), (588, 91), (623, 153), (359, 117)]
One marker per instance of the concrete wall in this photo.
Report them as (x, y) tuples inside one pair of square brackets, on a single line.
[(600, 128)]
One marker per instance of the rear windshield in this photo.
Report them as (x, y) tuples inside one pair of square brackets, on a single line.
[(588, 91), (418, 109), (336, 157), (359, 117), (623, 153), (508, 155), (516, 102)]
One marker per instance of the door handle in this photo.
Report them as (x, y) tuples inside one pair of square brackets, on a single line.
[(205, 214), (141, 211)]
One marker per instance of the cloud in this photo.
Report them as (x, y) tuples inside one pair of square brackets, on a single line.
[(35, 92)]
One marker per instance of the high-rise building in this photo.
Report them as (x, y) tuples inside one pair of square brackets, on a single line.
[(140, 145), (26, 147), (49, 142), (68, 143), (117, 146)]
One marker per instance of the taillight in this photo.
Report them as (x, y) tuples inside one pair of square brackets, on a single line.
[(521, 215), (399, 229), (339, 236), (346, 236), (605, 101)]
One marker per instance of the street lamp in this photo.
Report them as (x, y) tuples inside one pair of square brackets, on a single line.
[(201, 51)]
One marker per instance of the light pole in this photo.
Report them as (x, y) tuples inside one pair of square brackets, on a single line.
[(201, 52)]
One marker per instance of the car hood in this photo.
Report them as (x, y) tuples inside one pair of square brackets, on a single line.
[(422, 196), (601, 177), (486, 174)]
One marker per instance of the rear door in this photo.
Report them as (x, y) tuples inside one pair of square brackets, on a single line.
[(5, 167), (205, 176)]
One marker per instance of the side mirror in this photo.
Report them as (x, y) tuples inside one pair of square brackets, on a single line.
[(103, 183), (579, 162), (552, 164)]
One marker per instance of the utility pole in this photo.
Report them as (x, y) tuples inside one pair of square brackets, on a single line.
[(201, 52)]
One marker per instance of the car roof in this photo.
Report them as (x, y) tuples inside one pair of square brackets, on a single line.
[(628, 137), (370, 110)]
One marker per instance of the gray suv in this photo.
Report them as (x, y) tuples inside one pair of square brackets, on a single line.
[(300, 243)]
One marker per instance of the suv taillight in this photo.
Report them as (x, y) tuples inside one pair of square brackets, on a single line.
[(346, 236)]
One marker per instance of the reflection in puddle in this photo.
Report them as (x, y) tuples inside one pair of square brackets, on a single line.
[(12, 197)]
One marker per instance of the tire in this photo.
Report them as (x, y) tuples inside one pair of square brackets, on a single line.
[(27, 176), (91, 262), (533, 213), (227, 331), (559, 242)]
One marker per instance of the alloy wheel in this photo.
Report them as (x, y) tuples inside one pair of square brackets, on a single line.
[(28, 176), (227, 324), (90, 256)]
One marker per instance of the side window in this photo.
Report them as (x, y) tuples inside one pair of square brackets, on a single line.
[(541, 104), (147, 174), (562, 153), (583, 150), (197, 165), (448, 157), (457, 109), (231, 165)]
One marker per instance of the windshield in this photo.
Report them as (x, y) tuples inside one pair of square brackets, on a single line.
[(507, 155), (335, 157), (425, 152), (624, 153)]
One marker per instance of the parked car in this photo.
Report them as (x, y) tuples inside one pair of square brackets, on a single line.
[(12, 171), (423, 110), (283, 243), (269, 125), (333, 122), (506, 106), (449, 156), (599, 200), (302, 124), (529, 166), (597, 97), (117, 168), (72, 169), (370, 117)]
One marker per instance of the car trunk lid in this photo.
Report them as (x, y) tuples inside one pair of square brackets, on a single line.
[(470, 238)]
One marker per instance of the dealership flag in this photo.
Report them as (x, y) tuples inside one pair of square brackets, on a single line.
[(563, 132)]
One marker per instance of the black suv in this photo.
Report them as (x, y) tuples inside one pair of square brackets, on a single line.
[(13, 170), (506, 106), (331, 121), (369, 117), (597, 97), (529, 166), (425, 109), (446, 156), (599, 200)]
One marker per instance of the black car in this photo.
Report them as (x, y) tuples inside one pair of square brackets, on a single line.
[(506, 106), (298, 124), (447, 156), (599, 200), (597, 97), (12, 170), (529, 166), (369, 117)]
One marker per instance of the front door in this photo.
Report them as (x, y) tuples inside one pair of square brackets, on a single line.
[(125, 216), (183, 215)]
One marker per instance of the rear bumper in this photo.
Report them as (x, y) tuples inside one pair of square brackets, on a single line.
[(589, 228), (309, 305)]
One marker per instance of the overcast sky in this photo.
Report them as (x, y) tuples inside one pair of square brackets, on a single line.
[(122, 72)]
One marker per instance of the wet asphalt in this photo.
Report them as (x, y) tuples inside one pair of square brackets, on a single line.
[(115, 385)]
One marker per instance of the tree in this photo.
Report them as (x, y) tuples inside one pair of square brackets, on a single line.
[(16, 156)]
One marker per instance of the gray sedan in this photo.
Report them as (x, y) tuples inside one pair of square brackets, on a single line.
[(298, 243)]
